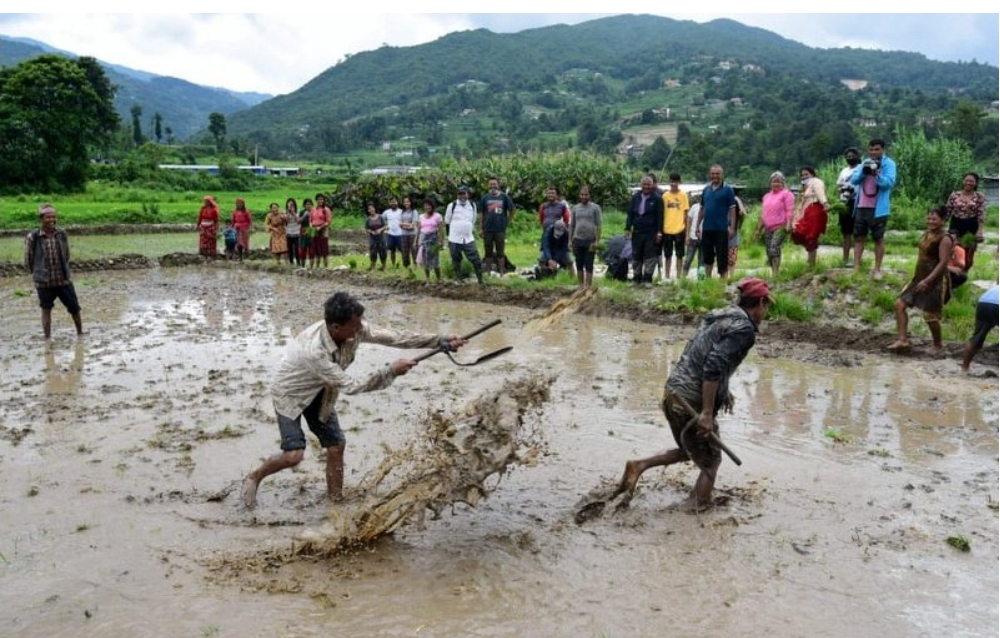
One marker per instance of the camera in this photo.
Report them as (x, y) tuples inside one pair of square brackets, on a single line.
[(870, 166)]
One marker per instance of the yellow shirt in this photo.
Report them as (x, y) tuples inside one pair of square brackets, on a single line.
[(675, 208)]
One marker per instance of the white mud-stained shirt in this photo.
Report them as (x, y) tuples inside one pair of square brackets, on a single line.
[(313, 363)]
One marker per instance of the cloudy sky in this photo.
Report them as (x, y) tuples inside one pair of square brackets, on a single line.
[(278, 53)]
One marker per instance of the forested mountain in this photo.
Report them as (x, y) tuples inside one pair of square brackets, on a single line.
[(183, 106), (738, 94)]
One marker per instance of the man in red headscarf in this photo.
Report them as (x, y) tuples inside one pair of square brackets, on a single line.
[(698, 388)]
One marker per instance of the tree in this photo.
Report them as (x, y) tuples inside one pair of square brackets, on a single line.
[(158, 127), (53, 112), (965, 121), (137, 137), (217, 127), (655, 157)]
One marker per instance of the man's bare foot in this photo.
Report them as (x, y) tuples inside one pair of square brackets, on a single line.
[(629, 478), (249, 492), (898, 345)]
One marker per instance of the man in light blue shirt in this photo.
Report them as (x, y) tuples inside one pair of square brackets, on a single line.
[(873, 181)]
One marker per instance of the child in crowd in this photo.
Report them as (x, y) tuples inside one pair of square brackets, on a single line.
[(229, 235)]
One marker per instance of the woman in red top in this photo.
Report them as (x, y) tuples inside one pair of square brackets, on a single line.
[(208, 228), (243, 223), (320, 219), (967, 209)]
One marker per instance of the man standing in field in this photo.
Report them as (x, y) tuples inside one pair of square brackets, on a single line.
[(675, 210), (313, 373), (717, 221), (497, 211), (847, 195), (644, 227), (46, 256), (460, 217), (873, 182), (698, 388)]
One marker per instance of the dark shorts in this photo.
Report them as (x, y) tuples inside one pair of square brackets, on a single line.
[(674, 243), (699, 449), (494, 245), (987, 318), (329, 433), (583, 255), (865, 223), (846, 219), (66, 294), (394, 242), (715, 249)]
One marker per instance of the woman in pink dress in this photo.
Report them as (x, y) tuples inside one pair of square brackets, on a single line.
[(777, 209), (243, 223), (319, 220), (431, 239)]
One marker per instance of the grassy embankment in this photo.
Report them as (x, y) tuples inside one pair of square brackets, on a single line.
[(800, 292)]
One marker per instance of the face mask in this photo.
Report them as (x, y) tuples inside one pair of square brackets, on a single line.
[(853, 161), (805, 181)]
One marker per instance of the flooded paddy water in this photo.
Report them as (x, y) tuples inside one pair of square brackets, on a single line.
[(121, 454)]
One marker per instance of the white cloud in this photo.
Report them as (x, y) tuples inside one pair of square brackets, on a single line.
[(278, 53)]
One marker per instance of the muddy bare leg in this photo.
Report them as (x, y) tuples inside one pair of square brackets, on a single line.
[(634, 469), (335, 472), (859, 250), (902, 320), (273, 464), (706, 481), (935, 328), (879, 254), (970, 352), (78, 322), (47, 322)]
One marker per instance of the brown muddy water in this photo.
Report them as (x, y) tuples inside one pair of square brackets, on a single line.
[(120, 454)]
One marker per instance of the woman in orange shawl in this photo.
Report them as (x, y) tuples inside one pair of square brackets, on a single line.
[(208, 228)]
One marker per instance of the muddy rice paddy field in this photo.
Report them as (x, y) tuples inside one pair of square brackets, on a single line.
[(121, 454)]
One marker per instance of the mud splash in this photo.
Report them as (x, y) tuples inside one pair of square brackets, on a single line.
[(453, 464), (454, 460)]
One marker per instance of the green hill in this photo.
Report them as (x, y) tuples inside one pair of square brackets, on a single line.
[(183, 105), (739, 94)]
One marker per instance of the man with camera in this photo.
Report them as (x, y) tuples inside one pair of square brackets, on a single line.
[(873, 181)]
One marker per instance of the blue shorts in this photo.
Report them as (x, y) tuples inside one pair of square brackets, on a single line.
[(394, 242), (66, 294), (329, 433)]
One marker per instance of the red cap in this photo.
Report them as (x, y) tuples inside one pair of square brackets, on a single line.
[(754, 288)]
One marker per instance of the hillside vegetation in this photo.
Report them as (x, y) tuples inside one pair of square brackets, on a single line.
[(742, 96)]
